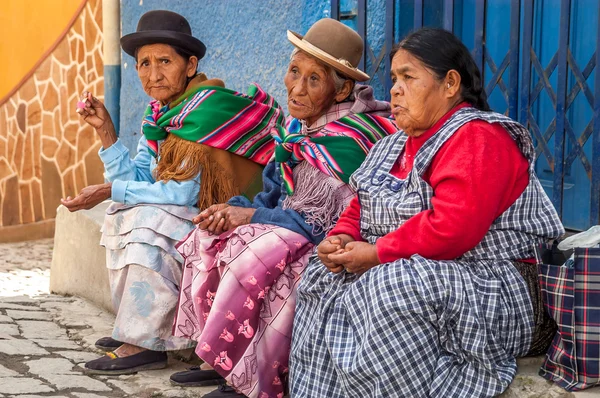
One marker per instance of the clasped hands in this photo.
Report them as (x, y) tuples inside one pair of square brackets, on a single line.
[(341, 252), (223, 217)]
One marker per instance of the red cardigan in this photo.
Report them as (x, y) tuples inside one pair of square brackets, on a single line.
[(476, 175)]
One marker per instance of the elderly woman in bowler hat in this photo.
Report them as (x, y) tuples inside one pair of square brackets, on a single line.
[(195, 151), (427, 286), (245, 259)]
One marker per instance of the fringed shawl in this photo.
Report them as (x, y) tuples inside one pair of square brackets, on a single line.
[(220, 133), (318, 186)]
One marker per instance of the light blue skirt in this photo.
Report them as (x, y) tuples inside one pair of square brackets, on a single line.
[(145, 272)]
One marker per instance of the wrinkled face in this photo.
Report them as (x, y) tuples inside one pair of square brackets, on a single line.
[(310, 88), (417, 96), (163, 72)]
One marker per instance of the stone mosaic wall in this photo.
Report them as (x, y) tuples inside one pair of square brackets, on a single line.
[(46, 152)]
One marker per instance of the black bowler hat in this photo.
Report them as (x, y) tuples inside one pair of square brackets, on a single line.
[(161, 26)]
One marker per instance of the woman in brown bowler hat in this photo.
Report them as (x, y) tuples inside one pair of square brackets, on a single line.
[(243, 263)]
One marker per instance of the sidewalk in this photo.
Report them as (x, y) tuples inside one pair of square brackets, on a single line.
[(45, 339)]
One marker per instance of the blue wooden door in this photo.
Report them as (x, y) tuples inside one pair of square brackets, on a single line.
[(539, 61)]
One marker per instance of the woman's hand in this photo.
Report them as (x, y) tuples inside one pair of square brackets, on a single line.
[(357, 257), (222, 217), (93, 111), (206, 215), (331, 245), (88, 198)]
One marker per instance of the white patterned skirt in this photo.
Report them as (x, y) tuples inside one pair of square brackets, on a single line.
[(145, 272), (411, 328)]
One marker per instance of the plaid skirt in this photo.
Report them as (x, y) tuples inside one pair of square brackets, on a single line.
[(411, 328)]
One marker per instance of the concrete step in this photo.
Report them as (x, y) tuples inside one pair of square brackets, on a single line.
[(78, 261), (528, 384)]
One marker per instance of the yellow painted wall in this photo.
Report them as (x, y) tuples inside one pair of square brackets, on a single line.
[(28, 29)]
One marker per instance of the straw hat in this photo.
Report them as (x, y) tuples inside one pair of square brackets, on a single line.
[(161, 26), (335, 44)]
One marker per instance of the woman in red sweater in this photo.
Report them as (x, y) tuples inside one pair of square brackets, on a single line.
[(426, 287)]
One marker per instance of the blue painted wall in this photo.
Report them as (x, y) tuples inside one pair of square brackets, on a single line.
[(582, 43), (375, 47), (375, 44), (246, 42)]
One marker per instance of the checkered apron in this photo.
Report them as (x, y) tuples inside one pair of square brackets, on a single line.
[(417, 327)]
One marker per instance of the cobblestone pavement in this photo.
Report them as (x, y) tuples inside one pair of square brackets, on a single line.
[(25, 267), (45, 339)]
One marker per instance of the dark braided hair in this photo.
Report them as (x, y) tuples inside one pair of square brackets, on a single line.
[(441, 51)]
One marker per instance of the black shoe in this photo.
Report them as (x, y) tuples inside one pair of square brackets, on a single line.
[(196, 377), (110, 364), (108, 344), (223, 391)]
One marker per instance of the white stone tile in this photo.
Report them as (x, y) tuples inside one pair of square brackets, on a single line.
[(590, 393), (9, 328), (18, 300), (38, 396), (21, 347), (29, 315), (5, 319), (23, 385), (5, 372), (68, 381), (127, 388), (12, 306), (45, 298), (58, 343), (174, 393), (78, 356), (40, 330), (46, 366), (85, 395), (71, 324)]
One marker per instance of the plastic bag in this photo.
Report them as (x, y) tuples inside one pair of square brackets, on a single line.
[(587, 239)]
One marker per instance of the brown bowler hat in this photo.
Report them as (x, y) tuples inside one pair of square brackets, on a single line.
[(335, 44)]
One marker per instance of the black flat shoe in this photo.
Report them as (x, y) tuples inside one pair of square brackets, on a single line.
[(196, 377), (224, 391), (111, 364), (108, 344)]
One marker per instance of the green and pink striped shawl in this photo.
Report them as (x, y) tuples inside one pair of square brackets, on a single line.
[(337, 150), (219, 118)]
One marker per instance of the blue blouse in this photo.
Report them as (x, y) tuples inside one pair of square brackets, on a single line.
[(268, 206), (133, 183)]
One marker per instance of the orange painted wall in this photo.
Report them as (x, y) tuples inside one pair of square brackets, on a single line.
[(28, 29)]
